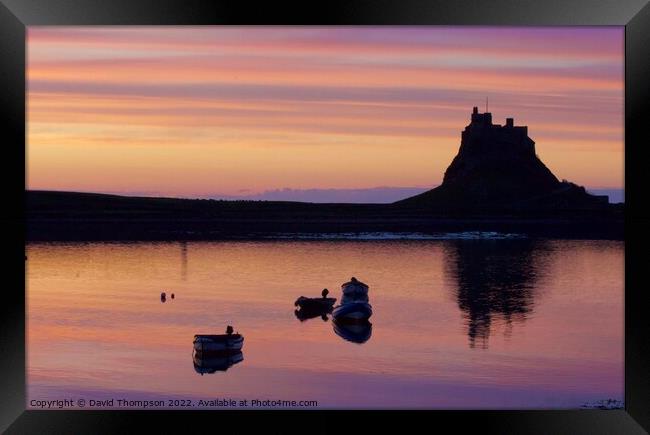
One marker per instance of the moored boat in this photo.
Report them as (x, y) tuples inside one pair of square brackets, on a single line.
[(223, 343), (314, 303)]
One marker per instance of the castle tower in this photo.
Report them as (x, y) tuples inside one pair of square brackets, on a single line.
[(481, 118)]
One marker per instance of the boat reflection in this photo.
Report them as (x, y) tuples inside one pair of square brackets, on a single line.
[(357, 332), (215, 362), (304, 313)]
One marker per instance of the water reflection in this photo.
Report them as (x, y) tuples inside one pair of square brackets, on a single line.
[(359, 332), (183, 260), (211, 363), (495, 282), (305, 313), (90, 304)]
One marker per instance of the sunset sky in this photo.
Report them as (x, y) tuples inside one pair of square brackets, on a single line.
[(236, 111)]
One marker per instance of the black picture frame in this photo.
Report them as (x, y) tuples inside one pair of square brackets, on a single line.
[(15, 15)]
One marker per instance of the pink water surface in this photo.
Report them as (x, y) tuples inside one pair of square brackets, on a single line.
[(457, 324)]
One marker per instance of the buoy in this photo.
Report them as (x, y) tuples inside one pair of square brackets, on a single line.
[(172, 295)]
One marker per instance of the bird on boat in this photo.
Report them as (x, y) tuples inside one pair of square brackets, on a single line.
[(325, 292), (229, 330)]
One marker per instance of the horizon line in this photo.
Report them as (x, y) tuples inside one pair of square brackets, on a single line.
[(258, 197)]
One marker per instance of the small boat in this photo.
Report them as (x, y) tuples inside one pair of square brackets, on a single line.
[(210, 364), (314, 303), (359, 332), (352, 312), (354, 287), (219, 344)]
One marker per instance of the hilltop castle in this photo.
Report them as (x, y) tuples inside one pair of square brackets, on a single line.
[(515, 138), (496, 167)]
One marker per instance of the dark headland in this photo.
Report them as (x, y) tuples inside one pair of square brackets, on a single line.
[(496, 182)]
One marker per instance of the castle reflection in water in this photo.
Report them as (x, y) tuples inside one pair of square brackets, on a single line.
[(496, 281)]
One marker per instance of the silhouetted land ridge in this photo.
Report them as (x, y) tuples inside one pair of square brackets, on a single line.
[(495, 183)]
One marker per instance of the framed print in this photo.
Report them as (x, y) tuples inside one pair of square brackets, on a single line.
[(333, 217)]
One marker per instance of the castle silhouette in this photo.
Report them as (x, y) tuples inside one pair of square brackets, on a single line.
[(497, 168)]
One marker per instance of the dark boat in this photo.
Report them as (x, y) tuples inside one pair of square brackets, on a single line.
[(358, 332), (315, 303), (207, 363)]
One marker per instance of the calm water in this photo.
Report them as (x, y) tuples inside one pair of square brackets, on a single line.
[(456, 324)]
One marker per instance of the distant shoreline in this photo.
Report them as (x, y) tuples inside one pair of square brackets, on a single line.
[(370, 195), (67, 216)]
